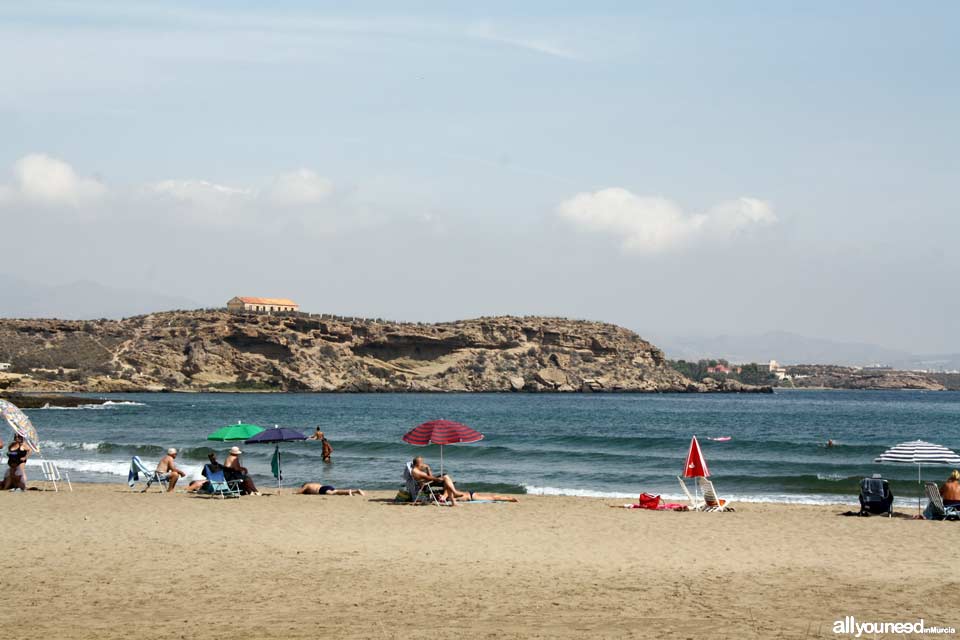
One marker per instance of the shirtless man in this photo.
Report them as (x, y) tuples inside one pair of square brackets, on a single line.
[(317, 489), (169, 470), (950, 491), (423, 475)]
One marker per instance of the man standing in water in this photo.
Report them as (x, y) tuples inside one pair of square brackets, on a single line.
[(326, 448)]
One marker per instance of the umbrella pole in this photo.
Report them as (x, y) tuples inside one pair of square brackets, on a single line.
[(919, 485), (441, 460), (279, 470)]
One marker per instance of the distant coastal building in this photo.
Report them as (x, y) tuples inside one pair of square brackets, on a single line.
[(777, 370), (719, 368), (240, 304)]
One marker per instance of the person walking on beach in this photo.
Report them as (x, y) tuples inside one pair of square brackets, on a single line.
[(326, 450), (168, 469), (17, 454)]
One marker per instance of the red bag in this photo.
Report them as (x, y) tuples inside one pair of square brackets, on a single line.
[(647, 501)]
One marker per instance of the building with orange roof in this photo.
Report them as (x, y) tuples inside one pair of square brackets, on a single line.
[(240, 304)]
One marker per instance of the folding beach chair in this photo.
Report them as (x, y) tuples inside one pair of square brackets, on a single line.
[(138, 470), (695, 505), (52, 474), (218, 485), (420, 493), (940, 512), (876, 496), (711, 501)]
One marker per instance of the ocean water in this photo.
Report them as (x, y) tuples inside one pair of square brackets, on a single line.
[(590, 445)]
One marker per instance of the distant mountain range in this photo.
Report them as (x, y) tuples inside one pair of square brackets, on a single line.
[(80, 300), (790, 348)]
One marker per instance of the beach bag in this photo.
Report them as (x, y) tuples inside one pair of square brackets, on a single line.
[(403, 495), (647, 501)]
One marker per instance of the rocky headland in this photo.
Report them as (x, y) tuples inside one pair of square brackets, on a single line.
[(221, 351)]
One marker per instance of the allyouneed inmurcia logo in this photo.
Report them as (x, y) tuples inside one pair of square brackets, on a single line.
[(849, 625)]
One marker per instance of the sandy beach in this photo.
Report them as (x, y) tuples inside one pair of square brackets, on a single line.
[(103, 562)]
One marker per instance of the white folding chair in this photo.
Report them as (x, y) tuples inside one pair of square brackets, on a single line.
[(711, 501), (695, 505), (52, 474)]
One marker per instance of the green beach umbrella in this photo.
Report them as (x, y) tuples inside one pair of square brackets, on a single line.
[(239, 431)]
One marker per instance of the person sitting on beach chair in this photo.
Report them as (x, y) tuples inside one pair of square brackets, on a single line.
[(168, 470), (423, 476), (212, 465), (950, 491), (233, 470), (317, 489)]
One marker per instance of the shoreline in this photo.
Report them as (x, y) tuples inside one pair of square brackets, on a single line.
[(36, 484)]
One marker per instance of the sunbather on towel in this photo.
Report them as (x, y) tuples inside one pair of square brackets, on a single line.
[(317, 489), (168, 469), (422, 474), (233, 470)]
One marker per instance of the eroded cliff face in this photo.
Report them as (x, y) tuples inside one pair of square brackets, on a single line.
[(214, 350)]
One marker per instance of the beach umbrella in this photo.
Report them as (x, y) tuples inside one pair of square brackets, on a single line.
[(276, 436), (20, 423), (441, 432), (695, 465), (919, 452), (239, 431)]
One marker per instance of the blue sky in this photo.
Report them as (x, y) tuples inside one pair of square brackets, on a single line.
[(679, 169)]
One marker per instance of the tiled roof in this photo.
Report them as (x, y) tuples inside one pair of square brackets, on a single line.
[(284, 302)]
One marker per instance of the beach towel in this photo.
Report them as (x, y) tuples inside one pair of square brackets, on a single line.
[(412, 488), (136, 469)]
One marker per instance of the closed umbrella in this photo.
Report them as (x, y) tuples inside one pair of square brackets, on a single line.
[(919, 452), (20, 423), (276, 436), (696, 465), (441, 432), (239, 431)]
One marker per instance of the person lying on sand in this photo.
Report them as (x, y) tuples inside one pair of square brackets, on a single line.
[(317, 489), (422, 474), (168, 469)]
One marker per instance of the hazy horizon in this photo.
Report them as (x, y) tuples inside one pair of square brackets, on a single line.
[(684, 171)]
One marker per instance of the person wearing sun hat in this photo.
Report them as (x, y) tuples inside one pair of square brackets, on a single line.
[(168, 469), (234, 470)]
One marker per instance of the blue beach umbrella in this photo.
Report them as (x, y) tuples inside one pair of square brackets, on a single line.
[(276, 436)]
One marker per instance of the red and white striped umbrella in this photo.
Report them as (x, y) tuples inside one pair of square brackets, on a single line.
[(441, 432)]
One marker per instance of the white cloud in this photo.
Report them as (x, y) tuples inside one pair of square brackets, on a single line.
[(650, 224), (301, 187), (40, 179)]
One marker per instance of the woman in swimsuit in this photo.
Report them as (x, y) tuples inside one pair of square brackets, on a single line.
[(17, 455)]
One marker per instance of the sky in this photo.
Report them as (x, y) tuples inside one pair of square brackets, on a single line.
[(679, 169)]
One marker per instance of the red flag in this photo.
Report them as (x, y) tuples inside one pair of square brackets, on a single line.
[(695, 465)]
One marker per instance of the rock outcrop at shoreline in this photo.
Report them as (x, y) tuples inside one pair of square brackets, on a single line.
[(836, 377), (216, 350)]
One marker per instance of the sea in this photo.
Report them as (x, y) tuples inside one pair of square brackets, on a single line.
[(591, 445)]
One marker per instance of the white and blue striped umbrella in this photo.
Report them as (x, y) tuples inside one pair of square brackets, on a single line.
[(919, 452)]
